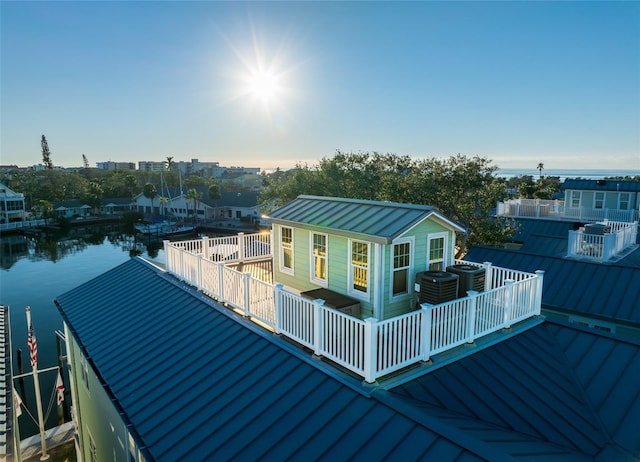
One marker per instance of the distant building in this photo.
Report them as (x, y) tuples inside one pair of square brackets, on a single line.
[(207, 169), (109, 165), (151, 166), (11, 205)]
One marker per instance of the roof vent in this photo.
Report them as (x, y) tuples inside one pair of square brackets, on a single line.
[(436, 287)]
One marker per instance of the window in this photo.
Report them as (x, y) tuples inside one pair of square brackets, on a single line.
[(359, 270), (623, 201), (574, 199), (319, 258), (286, 249), (85, 372), (436, 252), (598, 200), (401, 268)]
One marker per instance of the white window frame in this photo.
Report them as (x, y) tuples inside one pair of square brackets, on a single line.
[(281, 247), (573, 195), (84, 373), (627, 201), (313, 257), (352, 290), (408, 268), (598, 200), (445, 249)]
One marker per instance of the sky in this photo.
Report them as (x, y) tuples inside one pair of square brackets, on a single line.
[(273, 84)]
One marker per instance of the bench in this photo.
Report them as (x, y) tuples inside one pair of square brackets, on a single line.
[(334, 300)]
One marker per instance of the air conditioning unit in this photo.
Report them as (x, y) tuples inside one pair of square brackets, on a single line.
[(436, 287), (471, 278), (597, 229)]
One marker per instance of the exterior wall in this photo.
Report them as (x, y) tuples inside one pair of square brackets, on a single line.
[(419, 235), (611, 199), (96, 417), (380, 271)]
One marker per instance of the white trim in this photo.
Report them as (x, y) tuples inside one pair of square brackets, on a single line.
[(312, 259), (358, 293), (283, 268), (446, 252), (628, 207), (603, 201), (411, 241)]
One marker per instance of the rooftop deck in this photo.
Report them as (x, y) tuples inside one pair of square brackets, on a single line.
[(558, 210), (236, 271)]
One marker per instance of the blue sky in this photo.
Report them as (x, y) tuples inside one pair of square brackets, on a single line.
[(516, 82)]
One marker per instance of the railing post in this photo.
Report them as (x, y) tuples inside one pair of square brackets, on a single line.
[(205, 248), (370, 349), (167, 261), (538, 302), (181, 263), (488, 276), (277, 299), (241, 247), (471, 317), (272, 242), (221, 280), (425, 333), (318, 328), (508, 306), (246, 278)]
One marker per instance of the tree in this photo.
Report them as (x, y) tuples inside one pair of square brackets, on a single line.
[(149, 191), (463, 188), (194, 196), (213, 193), (93, 195), (540, 167), (46, 154), (85, 162), (170, 163)]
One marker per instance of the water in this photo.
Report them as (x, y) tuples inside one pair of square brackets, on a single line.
[(587, 174), (37, 270)]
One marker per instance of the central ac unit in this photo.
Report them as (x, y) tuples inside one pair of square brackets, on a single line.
[(436, 287), (471, 278)]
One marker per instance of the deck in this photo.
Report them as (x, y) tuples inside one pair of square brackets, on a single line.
[(236, 271)]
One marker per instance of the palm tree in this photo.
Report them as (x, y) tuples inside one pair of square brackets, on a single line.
[(194, 196), (214, 194), (149, 191), (540, 167)]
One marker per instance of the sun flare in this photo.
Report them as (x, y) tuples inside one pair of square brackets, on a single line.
[(263, 85)]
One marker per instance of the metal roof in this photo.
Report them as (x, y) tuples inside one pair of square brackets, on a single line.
[(374, 220), (556, 391), (198, 382), (602, 185), (611, 290)]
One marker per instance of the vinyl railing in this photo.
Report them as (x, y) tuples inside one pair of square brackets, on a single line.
[(22, 224), (369, 348), (602, 247), (539, 208)]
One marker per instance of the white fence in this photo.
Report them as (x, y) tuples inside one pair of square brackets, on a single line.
[(22, 224), (602, 247), (539, 208), (368, 347)]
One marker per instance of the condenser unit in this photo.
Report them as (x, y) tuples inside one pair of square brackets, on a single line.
[(471, 278), (436, 287), (598, 229)]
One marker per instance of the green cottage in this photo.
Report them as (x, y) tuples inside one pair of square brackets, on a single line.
[(363, 254)]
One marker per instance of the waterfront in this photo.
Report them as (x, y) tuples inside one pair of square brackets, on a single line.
[(35, 270)]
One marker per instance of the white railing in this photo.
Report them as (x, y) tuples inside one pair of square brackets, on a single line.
[(22, 224), (369, 348), (230, 249), (539, 208), (602, 247)]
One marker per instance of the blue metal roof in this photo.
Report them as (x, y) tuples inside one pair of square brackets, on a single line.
[(602, 185), (198, 382), (554, 391), (374, 220), (609, 290)]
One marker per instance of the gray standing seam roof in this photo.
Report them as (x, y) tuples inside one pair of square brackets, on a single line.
[(380, 221)]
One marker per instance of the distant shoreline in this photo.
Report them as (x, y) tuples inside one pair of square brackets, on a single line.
[(563, 173)]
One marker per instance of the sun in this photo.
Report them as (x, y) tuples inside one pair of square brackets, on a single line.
[(263, 85)]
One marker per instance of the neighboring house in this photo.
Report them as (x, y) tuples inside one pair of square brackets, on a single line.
[(584, 200), (370, 251), (232, 206), (115, 206), (71, 208), (12, 206)]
